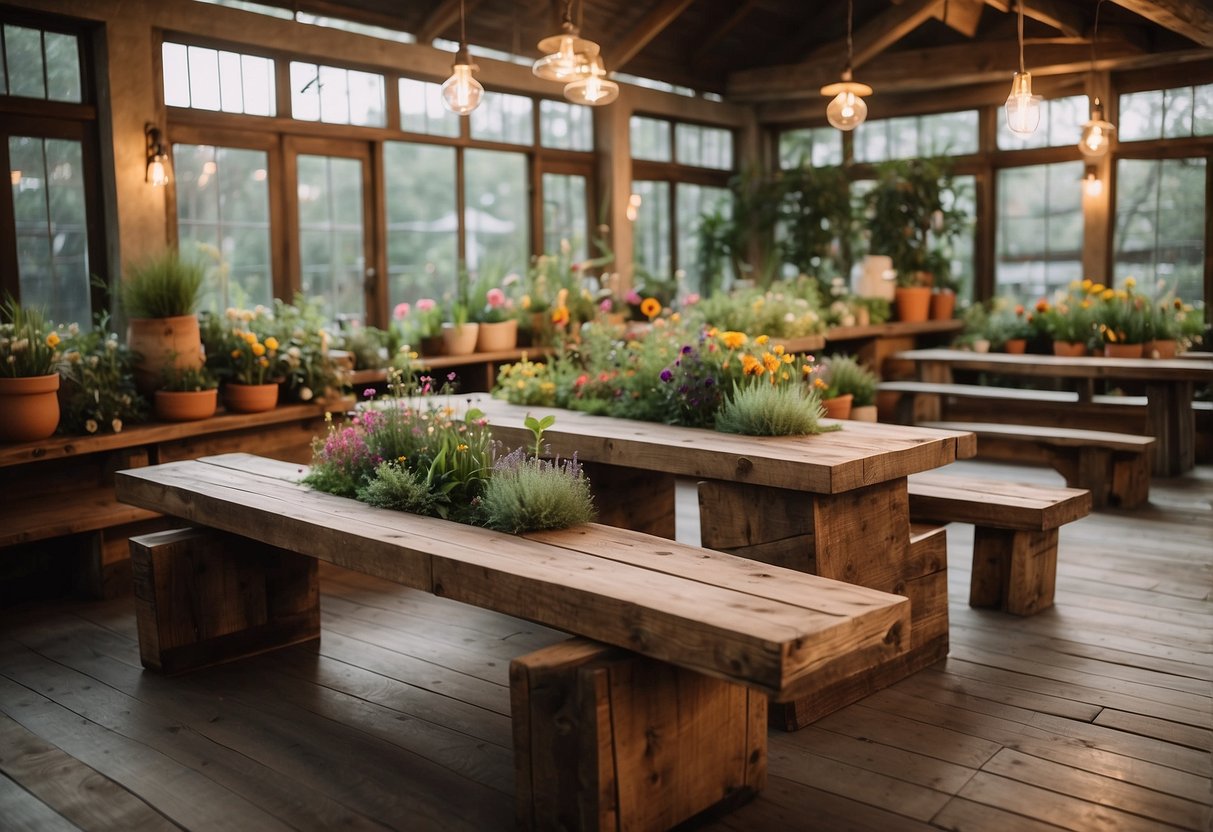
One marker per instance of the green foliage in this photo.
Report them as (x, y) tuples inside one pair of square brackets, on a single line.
[(530, 383), (818, 220), (772, 410), (787, 309), (187, 379), (399, 489), (537, 427), (367, 344), (98, 393), (529, 494), (844, 374), (286, 345), (165, 285), (28, 344)]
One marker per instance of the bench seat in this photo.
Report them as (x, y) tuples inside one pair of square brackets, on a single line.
[(695, 616), (1114, 467), (1015, 533)]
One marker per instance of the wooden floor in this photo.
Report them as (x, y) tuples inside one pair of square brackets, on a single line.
[(1095, 715)]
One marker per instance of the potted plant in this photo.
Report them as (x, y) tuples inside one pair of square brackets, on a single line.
[(1008, 326), (1122, 319), (29, 381), (494, 312), (1067, 322), (248, 365), (845, 376), (459, 334), (186, 394), (912, 219), (160, 296), (422, 324), (98, 392)]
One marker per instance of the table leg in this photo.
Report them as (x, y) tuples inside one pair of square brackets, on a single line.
[(633, 498), (1172, 422)]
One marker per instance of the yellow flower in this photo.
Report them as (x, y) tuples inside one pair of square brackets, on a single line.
[(819, 384), (761, 340), (1107, 294), (258, 349), (788, 358), (461, 447), (779, 350), (249, 338), (235, 353), (1130, 282), (1086, 285), (271, 343), (1098, 289), (264, 362), (751, 366), (650, 308), (733, 340), (770, 361), (560, 315), (52, 340)]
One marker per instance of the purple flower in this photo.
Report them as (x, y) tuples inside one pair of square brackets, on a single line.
[(666, 375), (368, 393), (451, 376), (686, 349)]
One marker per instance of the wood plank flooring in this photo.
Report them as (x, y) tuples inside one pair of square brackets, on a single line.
[(1097, 714)]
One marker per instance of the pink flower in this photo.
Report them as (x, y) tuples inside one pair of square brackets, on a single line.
[(691, 299), (633, 298), (495, 298), (401, 311), (425, 304), (606, 305)]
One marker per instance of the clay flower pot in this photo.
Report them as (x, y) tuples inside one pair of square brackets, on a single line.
[(863, 413), (160, 343), (250, 398), (498, 336), (1069, 349), (29, 407), (913, 303), (838, 407), (185, 405), (1122, 350), (943, 305), (1016, 346), (1159, 349), (460, 340)]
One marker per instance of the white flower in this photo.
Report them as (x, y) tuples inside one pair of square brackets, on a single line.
[(21, 345), (73, 357), (116, 425), (305, 394), (73, 329), (93, 361), (12, 359), (111, 345), (90, 426), (294, 352)]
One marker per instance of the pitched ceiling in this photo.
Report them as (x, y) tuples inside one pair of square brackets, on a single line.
[(756, 50)]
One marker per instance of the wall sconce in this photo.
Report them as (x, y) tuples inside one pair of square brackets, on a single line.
[(633, 210), (1092, 185), (157, 158)]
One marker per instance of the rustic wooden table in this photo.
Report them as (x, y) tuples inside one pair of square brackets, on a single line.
[(834, 505), (1168, 386)]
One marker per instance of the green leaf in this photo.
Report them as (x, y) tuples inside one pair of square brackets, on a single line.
[(546, 422)]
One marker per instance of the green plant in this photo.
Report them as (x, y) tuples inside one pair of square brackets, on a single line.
[(187, 379), (165, 285), (398, 488), (527, 383), (818, 218), (367, 344), (845, 375), (300, 329), (28, 344), (911, 216), (537, 427), (771, 410), (98, 393), (529, 494)]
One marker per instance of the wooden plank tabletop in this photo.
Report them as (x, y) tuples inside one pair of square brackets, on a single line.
[(722, 615), (861, 454), (1074, 437), (996, 503), (1052, 366)]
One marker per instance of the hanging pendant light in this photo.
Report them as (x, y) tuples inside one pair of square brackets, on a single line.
[(1097, 134), (847, 110), (1023, 108), (592, 87), (567, 55), (462, 92)]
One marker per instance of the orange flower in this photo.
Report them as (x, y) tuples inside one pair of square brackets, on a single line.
[(1042, 305), (733, 340), (560, 315), (650, 308)]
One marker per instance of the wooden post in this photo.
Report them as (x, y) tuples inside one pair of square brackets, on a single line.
[(605, 739), (204, 597), (1170, 420), (1013, 570), (633, 498)]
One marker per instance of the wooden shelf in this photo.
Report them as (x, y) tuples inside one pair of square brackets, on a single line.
[(446, 362), (29, 519), (893, 329)]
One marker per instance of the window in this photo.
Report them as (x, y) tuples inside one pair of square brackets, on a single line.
[(1061, 121), (651, 230), (1166, 114), (331, 233), (703, 147), (422, 221), (1160, 224), (696, 202), (51, 231), (223, 209), (39, 64), (421, 109), (1039, 229), (503, 118), (650, 139), (945, 134), (814, 146), (214, 79), (495, 211), (336, 95), (564, 213), (965, 246), (565, 126)]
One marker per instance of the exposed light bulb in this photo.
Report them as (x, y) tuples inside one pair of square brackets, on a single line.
[(569, 56), (847, 110), (1097, 134), (157, 175), (461, 93), (592, 87), (1023, 108), (1092, 185)]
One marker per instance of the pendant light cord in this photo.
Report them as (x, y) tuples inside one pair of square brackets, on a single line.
[(1095, 34), (850, 45), (1021, 37), (463, 35)]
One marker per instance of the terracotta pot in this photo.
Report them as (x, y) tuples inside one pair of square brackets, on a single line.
[(1069, 349), (863, 413), (185, 405), (161, 343), (838, 407), (1122, 350), (1159, 349), (913, 303), (497, 337), (432, 345), (250, 398), (460, 340), (981, 345), (29, 407), (943, 304), (1016, 346)]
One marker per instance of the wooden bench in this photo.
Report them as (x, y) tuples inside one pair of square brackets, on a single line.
[(1114, 467), (1014, 538), (658, 718)]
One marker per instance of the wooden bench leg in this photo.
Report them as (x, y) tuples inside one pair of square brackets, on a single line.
[(1130, 480), (1121, 479), (629, 498), (1013, 570), (204, 597), (605, 739)]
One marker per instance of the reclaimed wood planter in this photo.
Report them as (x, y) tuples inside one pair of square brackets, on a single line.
[(29, 407), (250, 398)]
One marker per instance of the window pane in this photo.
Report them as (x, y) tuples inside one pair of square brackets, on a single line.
[(564, 214), (3, 73), (1061, 121), (694, 202), (223, 210), (231, 86), (816, 146), (495, 212), (565, 126), (305, 91), (421, 109), (1159, 236), (334, 95), (51, 228), (963, 267), (650, 139), (331, 235), (1202, 111), (176, 75), (651, 230), (1140, 116), (23, 49), (1039, 232), (366, 99), (1177, 113), (209, 79), (503, 118), (62, 67), (422, 221), (204, 78), (705, 147), (257, 77), (951, 134)]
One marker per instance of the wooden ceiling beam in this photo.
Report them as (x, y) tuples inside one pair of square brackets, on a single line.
[(1191, 18), (879, 33), (722, 31), (963, 16), (444, 15), (650, 26), (1062, 18)]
